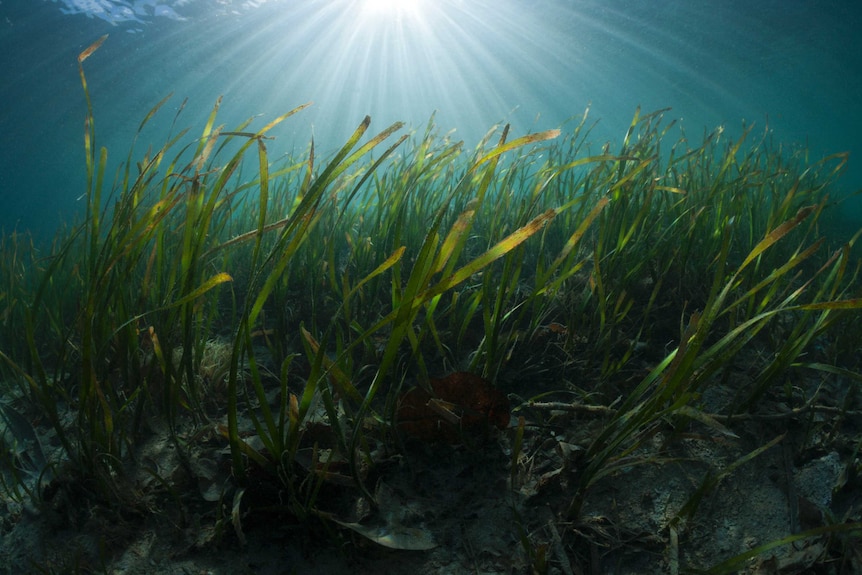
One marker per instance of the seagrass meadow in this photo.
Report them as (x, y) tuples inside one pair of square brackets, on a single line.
[(525, 355)]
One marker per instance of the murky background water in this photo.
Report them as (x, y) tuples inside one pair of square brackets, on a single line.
[(793, 65)]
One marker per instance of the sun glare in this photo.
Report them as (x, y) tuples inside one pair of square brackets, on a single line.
[(466, 63), (392, 7)]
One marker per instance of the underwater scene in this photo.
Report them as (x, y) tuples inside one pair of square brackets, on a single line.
[(430, 287)]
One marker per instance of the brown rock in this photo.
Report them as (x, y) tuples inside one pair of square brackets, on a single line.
[(460, 406)]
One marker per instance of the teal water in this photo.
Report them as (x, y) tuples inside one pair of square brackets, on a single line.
[(792, 65)]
